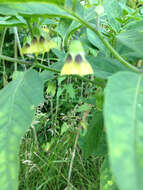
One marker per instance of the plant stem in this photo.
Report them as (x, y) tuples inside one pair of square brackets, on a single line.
[(32, 34), (72, 159), (1, 49), (46, 68), (2, 39), (74, 5), (29, 26), (18, 44), (10, 59), (38, 65), (18, 41), (15, 50), (105, 42)]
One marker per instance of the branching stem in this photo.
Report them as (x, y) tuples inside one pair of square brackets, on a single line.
[(105, 42), (38, 65)]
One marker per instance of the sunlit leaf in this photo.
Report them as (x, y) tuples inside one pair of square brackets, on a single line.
[(17, 108), (107, 181), (58, 2), (93, 136), (123, 110), (28, 9)]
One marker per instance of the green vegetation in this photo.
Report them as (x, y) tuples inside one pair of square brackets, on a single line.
[(71, 95)]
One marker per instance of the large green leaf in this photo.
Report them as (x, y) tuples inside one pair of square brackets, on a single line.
[(107, 181), (94, 40), (93, 136), (123, 110), (105, 66), (12, 21), (129, 43), (47, 75), (63, 26), (58, 2), (17, 102), (34, 9), (134, 25)]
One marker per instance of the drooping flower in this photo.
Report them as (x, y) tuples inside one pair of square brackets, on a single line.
[(76, 63), (46, 45), (38, 46)]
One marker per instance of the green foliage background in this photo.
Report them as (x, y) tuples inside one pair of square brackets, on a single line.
[(77, 132)]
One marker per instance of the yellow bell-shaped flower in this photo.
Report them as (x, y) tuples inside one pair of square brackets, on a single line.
[(38, 46), (75, 63)]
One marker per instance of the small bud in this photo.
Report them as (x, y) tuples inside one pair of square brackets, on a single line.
[(99, 9), (44, 27)]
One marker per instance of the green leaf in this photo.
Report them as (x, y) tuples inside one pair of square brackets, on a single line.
[(107, 181), (58, 2), (47, 75), (11, 21), (102, 148), (68, 3), (17, 102), (134, 25), (113, 11), (32, 9), (94, 133), (49, 21), (63, 26), (83, 108), (129, 44), (16, 74), (59, 53), (64, 128), (57, 65), (94, 40), (123, 110), (104, 67), (70, 90), (99, 96), (59, 92), (51, 88), (66, 27)]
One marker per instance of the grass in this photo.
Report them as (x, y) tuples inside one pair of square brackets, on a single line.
[(47, 149), (49, 169)]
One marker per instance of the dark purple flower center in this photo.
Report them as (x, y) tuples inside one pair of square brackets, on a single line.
[(34, 40), (69, 58), (27, 45), (78, 58), (42, 39)]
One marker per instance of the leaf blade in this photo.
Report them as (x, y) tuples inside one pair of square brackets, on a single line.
[(107, 181), (17, 100), (32, 9), (123, 120)]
